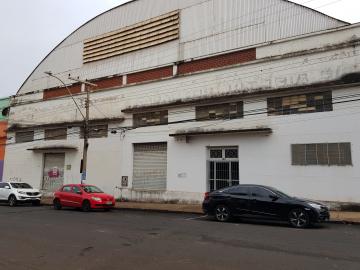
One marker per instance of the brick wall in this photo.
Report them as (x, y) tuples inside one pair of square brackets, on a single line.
[(160, 73), (217, 61), (107, 83), (149, 75), (76, 88), (61, 92)]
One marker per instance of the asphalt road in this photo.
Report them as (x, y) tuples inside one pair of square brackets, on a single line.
[(42, 238)]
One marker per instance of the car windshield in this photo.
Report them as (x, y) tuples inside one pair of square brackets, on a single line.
[(92, 189), (21, 185)]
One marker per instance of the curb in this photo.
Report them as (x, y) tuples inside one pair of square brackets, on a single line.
[(334, 221)]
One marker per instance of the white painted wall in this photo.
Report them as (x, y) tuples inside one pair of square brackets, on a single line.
[(263, 159)]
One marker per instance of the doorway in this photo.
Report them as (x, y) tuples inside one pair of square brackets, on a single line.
[(53, 172), (223, 167)]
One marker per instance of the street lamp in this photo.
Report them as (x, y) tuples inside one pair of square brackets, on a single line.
[(85, 117)]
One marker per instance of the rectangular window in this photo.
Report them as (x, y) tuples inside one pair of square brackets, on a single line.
[(24, 136), (96, 131), (306, 103), (331, 154), (150, 119), (220, 111), (56, 134)]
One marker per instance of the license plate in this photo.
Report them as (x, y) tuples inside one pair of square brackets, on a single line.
[(109, 203)]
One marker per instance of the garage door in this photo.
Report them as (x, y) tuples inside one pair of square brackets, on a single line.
[(150, 166)]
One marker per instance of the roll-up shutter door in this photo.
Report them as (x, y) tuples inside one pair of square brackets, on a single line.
[(150, 166)]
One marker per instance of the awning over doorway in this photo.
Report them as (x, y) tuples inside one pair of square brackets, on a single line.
[(200, 132), (57, 148)]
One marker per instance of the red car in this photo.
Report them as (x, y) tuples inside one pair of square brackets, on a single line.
[(86, 197)]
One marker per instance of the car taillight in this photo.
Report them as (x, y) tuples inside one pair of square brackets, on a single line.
[(207, 195)]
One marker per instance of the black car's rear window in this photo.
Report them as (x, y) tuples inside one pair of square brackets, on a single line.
[(238, 190)]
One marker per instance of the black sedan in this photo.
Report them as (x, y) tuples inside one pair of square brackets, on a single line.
[(257, 201)]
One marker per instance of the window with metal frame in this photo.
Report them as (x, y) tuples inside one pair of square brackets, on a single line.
[(24, 136), (299, 104), (56, 134), (330, 154), (220, 111), (223, 167), (150, 119)]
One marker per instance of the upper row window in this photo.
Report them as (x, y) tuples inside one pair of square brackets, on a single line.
[(56, 134), (220, 111), (95, 131), (306, 103), (24, 136), (150, 119)]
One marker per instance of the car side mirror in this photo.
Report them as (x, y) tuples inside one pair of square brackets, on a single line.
[(79, 192), (7, 187), (274, 197)]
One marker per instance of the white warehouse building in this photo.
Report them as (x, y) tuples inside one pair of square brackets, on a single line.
[(196, 95)]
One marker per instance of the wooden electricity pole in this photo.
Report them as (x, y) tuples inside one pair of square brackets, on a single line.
[(86, 129)]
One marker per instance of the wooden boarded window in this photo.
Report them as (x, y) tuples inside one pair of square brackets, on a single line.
[(55, 134), (24, 136), (150, 119), (298, 104), (220, 111), (330, 154)]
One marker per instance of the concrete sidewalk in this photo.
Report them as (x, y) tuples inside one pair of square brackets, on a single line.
[(336, 216)]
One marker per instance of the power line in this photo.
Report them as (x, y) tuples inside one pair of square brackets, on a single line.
[(247, 113)]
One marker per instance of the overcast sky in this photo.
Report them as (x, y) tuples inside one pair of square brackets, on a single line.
[(30, 29)]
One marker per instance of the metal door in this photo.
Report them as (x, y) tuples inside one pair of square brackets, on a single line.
[(150, 166), (53, 173), (223, 167)]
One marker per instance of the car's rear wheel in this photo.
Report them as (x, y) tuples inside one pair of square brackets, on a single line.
[(299, 218), (12, 201), (222, 213), (86, 207), (57, 204)]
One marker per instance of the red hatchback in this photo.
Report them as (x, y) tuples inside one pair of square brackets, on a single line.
[(86, 197)]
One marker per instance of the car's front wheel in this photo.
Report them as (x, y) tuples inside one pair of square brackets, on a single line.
[(299, 218), (57, 204), (12, 201), (86, 207), (222, 213)]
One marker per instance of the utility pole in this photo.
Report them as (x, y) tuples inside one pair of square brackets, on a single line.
[(85, 85), (86, 117)]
